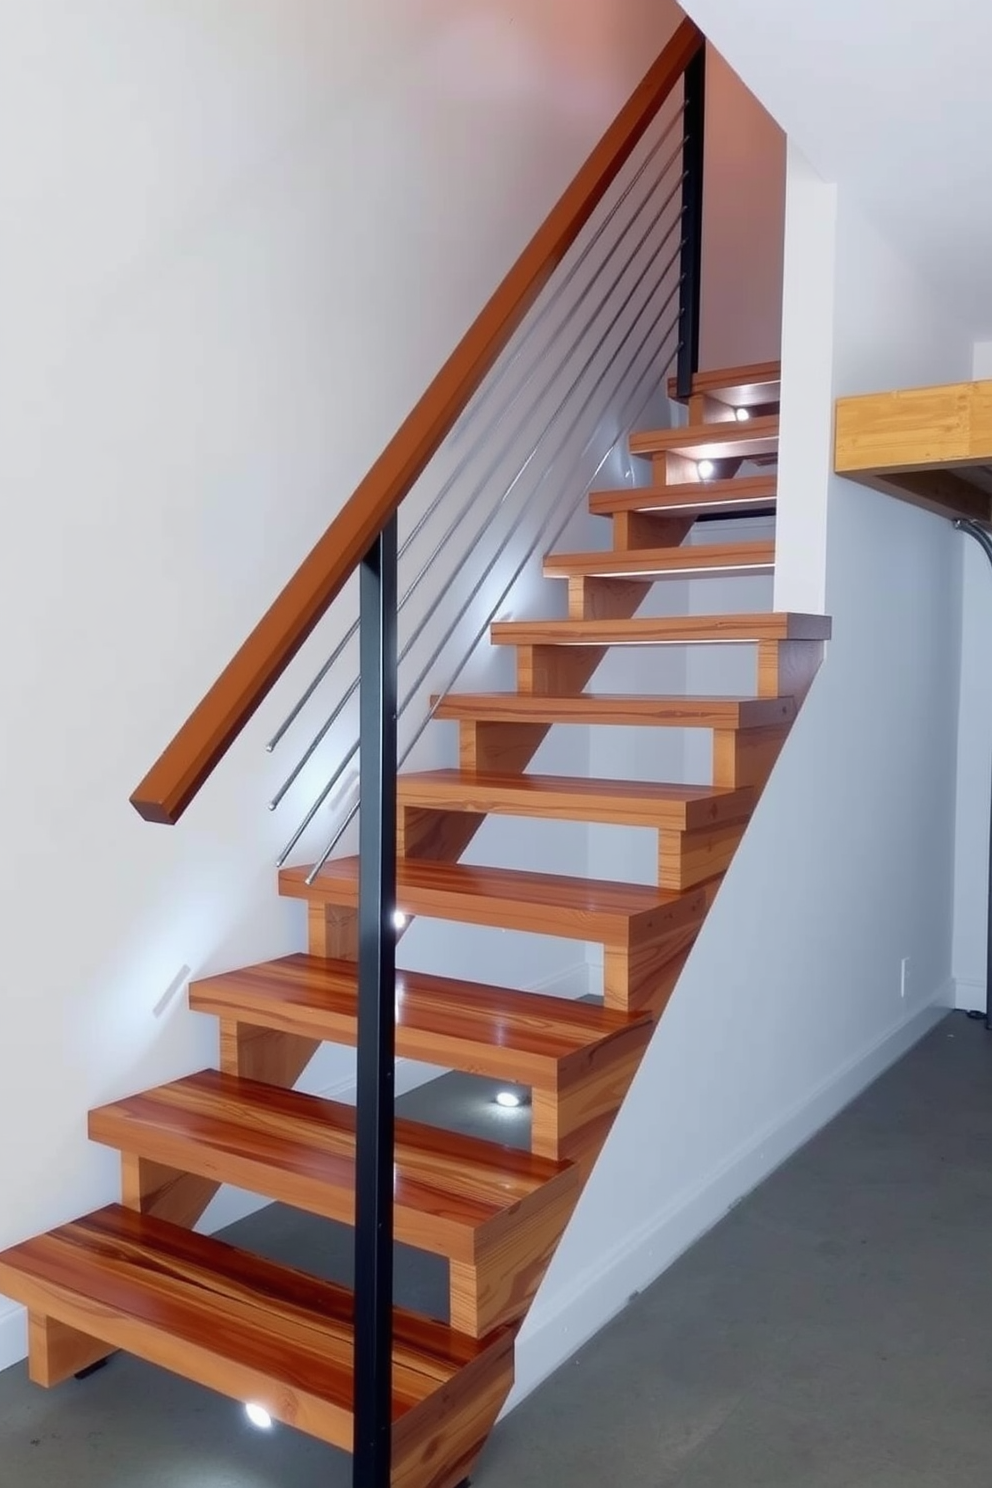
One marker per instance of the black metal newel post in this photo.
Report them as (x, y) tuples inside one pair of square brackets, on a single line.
[(984, 541), (376, 1018), (690, 269)]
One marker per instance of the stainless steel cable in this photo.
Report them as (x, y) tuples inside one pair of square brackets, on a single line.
[(495, 509), (315, 870), (500, 376)]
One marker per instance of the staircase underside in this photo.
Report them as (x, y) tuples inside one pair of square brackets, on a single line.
[(134, 1276)]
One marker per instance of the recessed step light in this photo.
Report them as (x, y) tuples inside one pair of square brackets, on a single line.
[(742, 415), (258, 1416), (510, 1100), (399, 920), (706, 469)]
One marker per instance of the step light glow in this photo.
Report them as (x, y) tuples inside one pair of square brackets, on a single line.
[(508, 1099), (742, 415), (258, 1416), (399, 920), (706, 469)]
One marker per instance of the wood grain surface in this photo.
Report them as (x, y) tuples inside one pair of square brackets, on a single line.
[(664, 630), (542, 1041), (619, 708), (698, 498), (300, 1149), (697, 560)]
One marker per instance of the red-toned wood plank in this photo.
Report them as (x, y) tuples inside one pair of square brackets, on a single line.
[(495, 1031)]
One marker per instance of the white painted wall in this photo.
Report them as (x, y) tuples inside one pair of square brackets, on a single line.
[(237, 243), (237, 251), (971, 867), (743, 224), (792, 1000)]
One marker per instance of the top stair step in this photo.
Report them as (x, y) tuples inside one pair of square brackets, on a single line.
[(524, 1037), (698, 498), (242, 1325), (759, 436), (738, 387)]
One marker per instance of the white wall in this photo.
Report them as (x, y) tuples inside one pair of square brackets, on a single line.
[(237, 243), (971, 866), (793, 1000), (743, 224)]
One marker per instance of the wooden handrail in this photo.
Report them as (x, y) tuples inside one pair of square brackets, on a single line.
[(202, 741)]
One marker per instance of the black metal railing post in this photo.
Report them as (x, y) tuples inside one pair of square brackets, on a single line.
[(376, 1018), (690, 270)]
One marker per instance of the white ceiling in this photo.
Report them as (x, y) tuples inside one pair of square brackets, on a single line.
[(894, 99)]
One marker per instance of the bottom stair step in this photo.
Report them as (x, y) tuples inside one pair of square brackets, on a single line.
[(261, 1332)]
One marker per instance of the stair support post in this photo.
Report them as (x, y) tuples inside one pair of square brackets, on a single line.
[(690, 266), (376, 1018)]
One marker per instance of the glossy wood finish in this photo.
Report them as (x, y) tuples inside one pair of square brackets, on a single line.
[(544, 903), (668, 630), (238, 1324), (698, 561), (545, 1042), (622, 708), (205, 737), (696, 498), (300, 1150), (929, 446), (725, 441), (633, 803), (739, 387), (496, 1214)]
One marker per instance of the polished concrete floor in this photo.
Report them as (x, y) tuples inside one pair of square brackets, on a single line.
[(835, 1331)]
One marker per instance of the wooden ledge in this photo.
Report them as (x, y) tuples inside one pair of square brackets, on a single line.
[(930, 446)]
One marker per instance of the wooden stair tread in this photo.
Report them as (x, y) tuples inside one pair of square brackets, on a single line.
[(665, 630), (222, 1317), (743, 493), (695, 560), (618, 708), (299, 1149), (759, 436), (739, 387), (526, 1037), (510, 898), (627, 802)]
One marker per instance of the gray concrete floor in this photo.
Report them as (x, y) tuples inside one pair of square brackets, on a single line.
[(835, 1331)]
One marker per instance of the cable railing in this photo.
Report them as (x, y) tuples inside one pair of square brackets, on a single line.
[(488, 470), (648, 289)]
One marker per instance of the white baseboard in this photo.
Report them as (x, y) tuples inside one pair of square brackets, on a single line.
[(969, 992), (594, 1296), (13, 1333)]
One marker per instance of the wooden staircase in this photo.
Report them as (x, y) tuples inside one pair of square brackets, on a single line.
[(134, 1276)]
